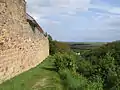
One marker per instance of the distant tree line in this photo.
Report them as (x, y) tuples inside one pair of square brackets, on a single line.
[(96, 69), (56, 46)]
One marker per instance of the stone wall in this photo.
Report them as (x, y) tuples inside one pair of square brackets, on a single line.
[(20, 48)]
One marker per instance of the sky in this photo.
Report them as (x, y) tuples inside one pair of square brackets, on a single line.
[(78, 20)]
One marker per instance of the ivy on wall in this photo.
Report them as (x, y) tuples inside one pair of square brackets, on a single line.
[(33, 25)]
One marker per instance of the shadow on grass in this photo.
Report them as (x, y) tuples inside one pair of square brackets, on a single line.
[(50, 69)]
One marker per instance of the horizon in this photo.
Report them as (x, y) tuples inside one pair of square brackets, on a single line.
[(78, 20)]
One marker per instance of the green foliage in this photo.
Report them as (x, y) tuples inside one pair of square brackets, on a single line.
[(46, 35), (73, 81), (50, 38), (52, 45), (63, 61), (53, 48), (100, 68), (56, 46), (103, 62), (95, 69), (66, 64), (32, 25), (84, 67), (62, 47)]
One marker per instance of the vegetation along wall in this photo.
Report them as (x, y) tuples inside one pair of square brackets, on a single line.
[(20, 47)]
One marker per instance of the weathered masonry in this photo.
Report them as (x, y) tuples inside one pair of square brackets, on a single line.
[(21, 48)]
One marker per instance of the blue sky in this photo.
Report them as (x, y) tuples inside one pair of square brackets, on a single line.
[(78, 20)]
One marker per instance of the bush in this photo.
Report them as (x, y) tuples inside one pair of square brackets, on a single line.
[(97, 69), (72, 81), (103, 62), (56, 47), (66, 60), (84, 67), (62, 47)]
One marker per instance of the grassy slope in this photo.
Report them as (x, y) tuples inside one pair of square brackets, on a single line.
[(42, 77)]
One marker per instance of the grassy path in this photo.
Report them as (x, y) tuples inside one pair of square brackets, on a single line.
[(42, 77)]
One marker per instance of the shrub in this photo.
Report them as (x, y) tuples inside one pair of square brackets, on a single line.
[(99, 69), (66, 60), (103, 62), (84, 67), (56, 46), (72, 81), (62, 47)]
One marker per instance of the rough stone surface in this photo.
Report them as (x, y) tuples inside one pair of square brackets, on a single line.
[(20, 48)]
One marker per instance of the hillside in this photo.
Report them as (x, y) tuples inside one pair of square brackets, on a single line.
[(81, 46), (96, 69)]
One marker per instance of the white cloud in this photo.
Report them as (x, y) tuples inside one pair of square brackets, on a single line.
[(105, 7), (115, 10), (50, 7), (46, 12), (73, 4)]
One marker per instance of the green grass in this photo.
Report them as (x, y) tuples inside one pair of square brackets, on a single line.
[(42, 77)]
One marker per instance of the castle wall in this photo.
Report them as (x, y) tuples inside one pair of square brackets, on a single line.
[(20, 48)]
